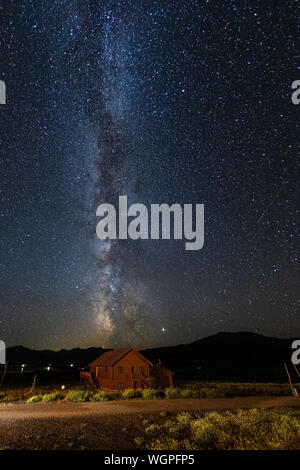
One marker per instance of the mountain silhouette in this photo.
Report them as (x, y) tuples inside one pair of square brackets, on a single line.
[(223, 356)]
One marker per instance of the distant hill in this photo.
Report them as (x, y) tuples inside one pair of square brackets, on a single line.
[(227, 356), (19, 354), (228, 346), (224, 356)]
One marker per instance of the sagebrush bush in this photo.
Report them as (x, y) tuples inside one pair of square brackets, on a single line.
[(13, 394), (171, 392), (177, 426), (131, 393), (102, 396), (152, 430), (152, 393), (171, 443), (209, 393), (35, 399), (78, 395), (189, 393), (184, 418), (53, 396)]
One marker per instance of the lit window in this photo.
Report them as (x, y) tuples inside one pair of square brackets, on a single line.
[(120, 370)]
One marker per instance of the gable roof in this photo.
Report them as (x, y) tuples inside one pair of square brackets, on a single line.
[(110, 358), (161, 366)]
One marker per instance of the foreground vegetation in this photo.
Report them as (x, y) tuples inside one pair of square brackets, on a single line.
[(228, 430), (183, 390)]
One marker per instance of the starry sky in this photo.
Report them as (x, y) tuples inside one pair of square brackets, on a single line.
[(163, 101)]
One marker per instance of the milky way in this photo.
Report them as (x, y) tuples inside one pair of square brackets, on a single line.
[(165, 102)]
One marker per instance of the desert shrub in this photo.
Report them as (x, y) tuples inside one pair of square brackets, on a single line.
[(102, 396), (53, 396), (171, 392), (189, 393), (152, 430), (131, 393), (171, 443), (235, 430), (152, 393), (204, 433), (184, 418), (11, 397), (13, 394), (177, 426), (78, 395), (35, 399), (209, 393)]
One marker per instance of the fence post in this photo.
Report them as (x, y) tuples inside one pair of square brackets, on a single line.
[(4, 373), (294, 391)]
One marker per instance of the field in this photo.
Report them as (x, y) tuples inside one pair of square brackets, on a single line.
[(191, 416), (182, 389), (143, 424)]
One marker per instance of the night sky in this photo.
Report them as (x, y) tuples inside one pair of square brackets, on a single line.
[(163, 101)]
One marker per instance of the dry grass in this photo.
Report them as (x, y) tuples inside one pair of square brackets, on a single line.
[(199, 389)]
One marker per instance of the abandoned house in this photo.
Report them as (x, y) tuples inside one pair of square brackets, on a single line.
[(119, 369)]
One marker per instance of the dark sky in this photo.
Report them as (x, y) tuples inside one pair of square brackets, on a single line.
[(163, 101)]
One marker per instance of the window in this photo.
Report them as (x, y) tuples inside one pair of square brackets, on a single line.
[(120, 370), (105, 369), (121, 386), (141, 369), (132, 370)]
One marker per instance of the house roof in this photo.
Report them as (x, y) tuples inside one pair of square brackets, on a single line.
[(110, 358), (161, 366)]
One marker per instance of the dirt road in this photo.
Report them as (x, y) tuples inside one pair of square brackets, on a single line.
[(103, 425)]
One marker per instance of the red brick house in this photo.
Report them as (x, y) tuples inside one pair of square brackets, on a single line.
[(119, 369)]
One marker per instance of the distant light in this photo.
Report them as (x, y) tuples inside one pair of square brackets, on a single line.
[(63, 387), (71, 365), (163, 329)]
